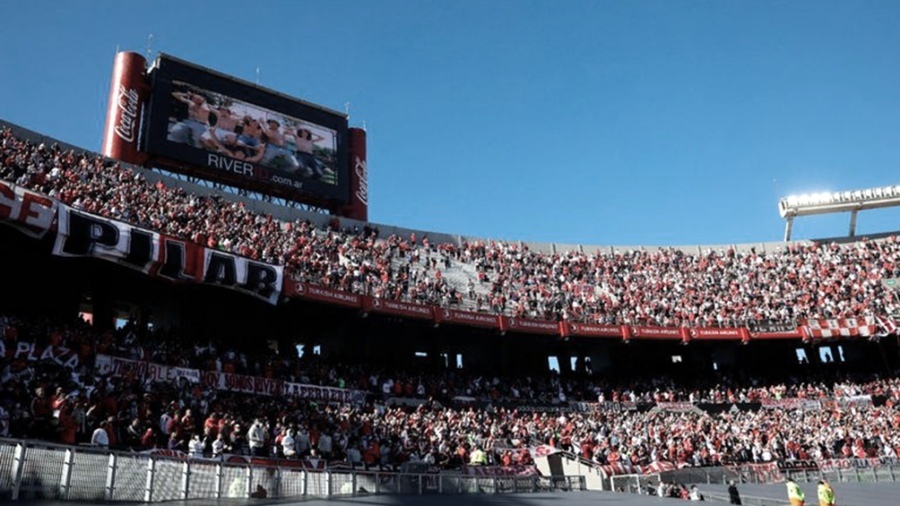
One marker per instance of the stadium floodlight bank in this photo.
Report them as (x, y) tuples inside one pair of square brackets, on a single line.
[(838, 202)]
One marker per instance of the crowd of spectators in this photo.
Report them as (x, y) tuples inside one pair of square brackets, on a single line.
[(719, 287), (424, 383), (47, 400), (675, 491), (667, 287)]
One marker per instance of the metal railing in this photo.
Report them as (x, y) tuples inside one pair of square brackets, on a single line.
[(38, 470), (746, 500), (634, 483), (884, 474)]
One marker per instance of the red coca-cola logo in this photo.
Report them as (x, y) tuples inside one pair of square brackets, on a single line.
[(362, 173), (128, 107)]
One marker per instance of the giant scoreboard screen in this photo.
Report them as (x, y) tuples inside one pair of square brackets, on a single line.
[(227, 129)]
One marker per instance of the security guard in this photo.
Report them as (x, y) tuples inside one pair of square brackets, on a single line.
[(826, 493), (478, 458), (795, 493)]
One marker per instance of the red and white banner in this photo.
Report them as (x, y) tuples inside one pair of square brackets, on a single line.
[(484, 320), (542, 451), (849, 464), (663, 333), (607, 407), (323, 394), (527, 326), (786, 334), (887, 326), (80, 234), (758, 473), (675, 407), (791, 404), (502, 471), (30, 212), (299, 289), (821, 328), (659, 467), (592, 329), (847, 402), (123, 367), (398, 308), (652, 468), (719, 334), (240, 383)]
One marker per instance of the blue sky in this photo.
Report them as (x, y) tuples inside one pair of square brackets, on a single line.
[(638, 122)]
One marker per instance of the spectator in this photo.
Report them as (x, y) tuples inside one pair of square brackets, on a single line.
[(195, 447), (695, 494), (100, 437), (257, 437), (733, 494), (288, 445)]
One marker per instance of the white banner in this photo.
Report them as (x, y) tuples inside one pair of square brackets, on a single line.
[(121, 367), (29, 212), (81, 234), (254, 385), (242, 274)]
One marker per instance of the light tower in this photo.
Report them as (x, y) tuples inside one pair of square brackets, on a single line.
[(838, 202)]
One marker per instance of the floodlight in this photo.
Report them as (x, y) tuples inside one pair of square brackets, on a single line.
[(851, 201)]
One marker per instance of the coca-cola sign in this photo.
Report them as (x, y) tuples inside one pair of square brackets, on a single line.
[(128, 92), (362, 172), (128, 108)]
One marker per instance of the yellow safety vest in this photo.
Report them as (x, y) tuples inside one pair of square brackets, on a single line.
[(795, 492), (826, 494)]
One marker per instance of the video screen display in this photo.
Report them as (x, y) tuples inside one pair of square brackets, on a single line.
[(245, 134)]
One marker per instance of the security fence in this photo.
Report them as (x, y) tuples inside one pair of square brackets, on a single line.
[(38, 470), (634, 483), (883, 473)]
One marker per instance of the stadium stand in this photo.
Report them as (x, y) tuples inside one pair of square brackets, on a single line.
[(67, 398), (668, 287), (142, 389)]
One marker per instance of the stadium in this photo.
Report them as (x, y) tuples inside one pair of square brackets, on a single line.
[(203, 312)]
